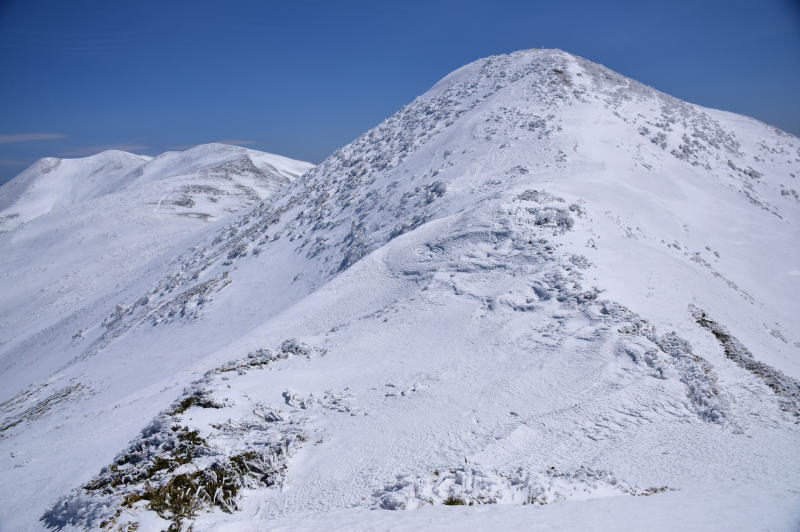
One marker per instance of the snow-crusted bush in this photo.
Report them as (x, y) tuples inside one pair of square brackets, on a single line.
[(466, 485)]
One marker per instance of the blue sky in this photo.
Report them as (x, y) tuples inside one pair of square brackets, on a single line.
[(303, 78)]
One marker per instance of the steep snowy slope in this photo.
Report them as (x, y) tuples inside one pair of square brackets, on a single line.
[(540, 289)]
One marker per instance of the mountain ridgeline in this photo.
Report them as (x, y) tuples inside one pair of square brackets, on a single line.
[(540, 283)]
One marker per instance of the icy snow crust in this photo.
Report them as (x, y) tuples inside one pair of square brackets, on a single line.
[(540, 295)]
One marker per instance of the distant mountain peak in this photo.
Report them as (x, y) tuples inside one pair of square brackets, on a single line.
[(54, 182)]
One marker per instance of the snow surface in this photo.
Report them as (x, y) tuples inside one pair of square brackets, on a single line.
[(542, 289), (52, 182), (69, 256)]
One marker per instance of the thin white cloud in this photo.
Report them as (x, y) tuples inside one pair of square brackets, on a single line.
[(91, 150), (238, 142), (25, 137), (234, 142), (180, 147)]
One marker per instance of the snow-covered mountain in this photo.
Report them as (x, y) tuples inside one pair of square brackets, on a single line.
[(542, 292), (81, 226), (51, 183), (203, 182)]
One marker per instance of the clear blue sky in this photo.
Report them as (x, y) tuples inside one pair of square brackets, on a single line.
[(302, 78)]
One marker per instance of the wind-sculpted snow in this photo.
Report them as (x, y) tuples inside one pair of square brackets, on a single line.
[(335, 189), (495, 297)]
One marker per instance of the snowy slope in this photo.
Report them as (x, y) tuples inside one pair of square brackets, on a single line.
[(541, 289), (110, 225), (52, 182), (208, 174)]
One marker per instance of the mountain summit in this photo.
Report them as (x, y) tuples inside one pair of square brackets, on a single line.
[(541, 291)]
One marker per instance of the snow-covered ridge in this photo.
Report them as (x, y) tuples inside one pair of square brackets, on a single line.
[(539, 284), (54, 183), (208, 157)]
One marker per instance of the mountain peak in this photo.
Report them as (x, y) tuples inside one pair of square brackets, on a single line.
[(118, 154), (537, 112), (53, 182)]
